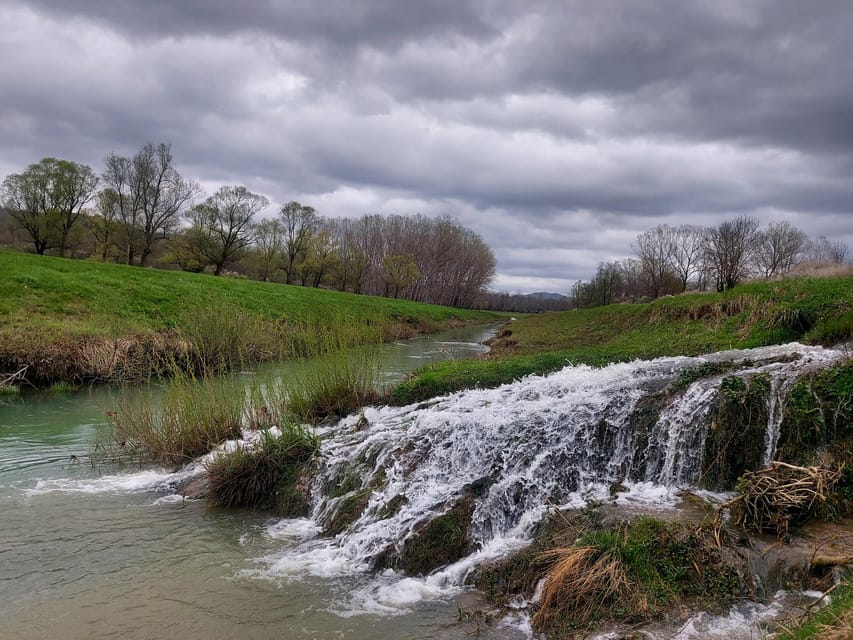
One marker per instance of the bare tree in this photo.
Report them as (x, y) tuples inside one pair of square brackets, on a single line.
[(47, 200), (103, 223), (269, 245), (223, 224), (151, 196), (299, 223), (321, 259), (728, 250), (686, 260), (776, 250), (656, 250), (826, 251)]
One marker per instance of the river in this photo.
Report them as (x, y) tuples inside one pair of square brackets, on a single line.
[(117, 554), (99, 554)]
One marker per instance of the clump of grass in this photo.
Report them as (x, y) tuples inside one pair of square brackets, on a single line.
[(229, 339), (267, 473), (632, 572), (832, 622), (10, 391), (193, 417), (831, 330), (61, 387), (335, 385)]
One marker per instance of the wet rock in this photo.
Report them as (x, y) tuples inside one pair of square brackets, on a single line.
[(195, 488)]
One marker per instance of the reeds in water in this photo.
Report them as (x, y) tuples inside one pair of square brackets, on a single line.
[(194, 416)]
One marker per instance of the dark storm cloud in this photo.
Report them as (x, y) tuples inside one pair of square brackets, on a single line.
[(336, 23), (558, 130)]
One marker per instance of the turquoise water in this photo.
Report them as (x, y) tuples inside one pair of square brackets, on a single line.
[(99, 553)]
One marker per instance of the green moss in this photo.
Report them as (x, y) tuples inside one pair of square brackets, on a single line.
[(438, 542), (705, 370), (347, 511), (390, 508), (348, 481), (818, 412), (735, 441)]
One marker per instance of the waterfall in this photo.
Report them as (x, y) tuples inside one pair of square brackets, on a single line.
[(517, 450)]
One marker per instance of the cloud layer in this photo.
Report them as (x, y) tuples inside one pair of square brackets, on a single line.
[(557, 130)]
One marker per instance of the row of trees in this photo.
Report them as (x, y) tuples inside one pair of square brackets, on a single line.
[(672, 260), (142, 211)]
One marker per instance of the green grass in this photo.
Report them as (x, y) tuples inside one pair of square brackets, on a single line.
[(192, 417), (67, 318), (266, 474), (84, 297), (752, 315), (834, 621)]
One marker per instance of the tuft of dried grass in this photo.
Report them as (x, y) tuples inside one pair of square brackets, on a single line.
[(582, 580)]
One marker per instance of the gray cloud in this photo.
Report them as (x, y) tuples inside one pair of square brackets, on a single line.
[(557, 130)]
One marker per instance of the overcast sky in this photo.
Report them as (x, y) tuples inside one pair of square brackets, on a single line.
[(556, 130)]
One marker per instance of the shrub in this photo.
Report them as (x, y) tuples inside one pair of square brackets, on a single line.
[(266, 474)]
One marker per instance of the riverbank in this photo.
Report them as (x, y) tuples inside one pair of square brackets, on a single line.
[(809, 310), (78, 321)]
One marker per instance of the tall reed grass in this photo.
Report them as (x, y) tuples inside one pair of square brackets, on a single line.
[(335, 385), (193, 416)]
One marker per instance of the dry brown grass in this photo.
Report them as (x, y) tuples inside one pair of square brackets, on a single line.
[(821, 270), (584, 581)]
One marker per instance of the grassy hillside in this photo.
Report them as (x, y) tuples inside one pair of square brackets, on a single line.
[(816, 311), (50, 308)]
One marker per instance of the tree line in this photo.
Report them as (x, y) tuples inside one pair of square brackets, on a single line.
[(670, 260), (141, 211)]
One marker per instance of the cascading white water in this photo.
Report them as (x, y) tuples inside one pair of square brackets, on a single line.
[(517, 450)]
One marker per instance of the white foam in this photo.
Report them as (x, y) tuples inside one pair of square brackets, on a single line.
[(294, 529), (121, 483), (173, 498)]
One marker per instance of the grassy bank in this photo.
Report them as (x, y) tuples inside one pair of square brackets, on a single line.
[(81, 321), (818, 311)]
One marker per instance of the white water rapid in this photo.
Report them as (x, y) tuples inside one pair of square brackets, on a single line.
[(518, 450)]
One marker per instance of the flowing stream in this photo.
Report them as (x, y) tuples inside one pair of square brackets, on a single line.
[(89, 555)]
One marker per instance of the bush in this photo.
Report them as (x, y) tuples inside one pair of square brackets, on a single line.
[(266, 474)]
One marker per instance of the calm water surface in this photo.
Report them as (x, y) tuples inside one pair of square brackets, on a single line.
[(84, 554)]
